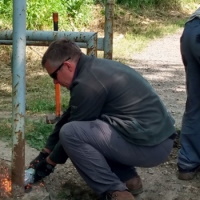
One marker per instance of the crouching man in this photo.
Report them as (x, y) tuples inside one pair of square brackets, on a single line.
[(115, 122)]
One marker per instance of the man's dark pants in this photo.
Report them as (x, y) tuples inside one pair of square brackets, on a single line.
[(189, 154), (103, 158)]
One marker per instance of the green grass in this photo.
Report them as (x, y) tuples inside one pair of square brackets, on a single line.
[(41, 94), (6, 130), (135, 42), (72, 13), (36, 132), (136, 29)]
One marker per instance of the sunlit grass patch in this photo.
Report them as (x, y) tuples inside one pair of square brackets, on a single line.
[(36, 131)]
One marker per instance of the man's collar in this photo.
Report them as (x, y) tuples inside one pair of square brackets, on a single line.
[(80, 65)]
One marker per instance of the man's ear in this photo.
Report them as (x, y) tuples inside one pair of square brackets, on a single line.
[(70, 65)]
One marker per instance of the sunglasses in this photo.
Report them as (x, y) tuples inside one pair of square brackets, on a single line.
[(55, 73)]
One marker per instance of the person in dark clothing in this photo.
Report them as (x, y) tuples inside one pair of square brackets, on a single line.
[(189, 153), (115, 122)]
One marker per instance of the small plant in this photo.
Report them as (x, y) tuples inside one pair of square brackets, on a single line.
[(6, 130), (37, 133), (73, 7)]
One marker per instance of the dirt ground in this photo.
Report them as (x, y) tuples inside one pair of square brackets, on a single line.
[(161, 64)]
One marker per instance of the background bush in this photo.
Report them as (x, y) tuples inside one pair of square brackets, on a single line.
[(39, 13), (73, 13)]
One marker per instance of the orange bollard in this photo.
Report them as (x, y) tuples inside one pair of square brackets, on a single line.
[(51, 119), (57, 85), (57, 99)]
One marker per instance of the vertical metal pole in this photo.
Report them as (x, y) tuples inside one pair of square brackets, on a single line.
[(108, 30), (18, 96), (57, 85), (92, 45)]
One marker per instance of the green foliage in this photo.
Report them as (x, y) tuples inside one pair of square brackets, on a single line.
[(73, 7), (41, 105), (79, 12), (39, 13), (6, 129), (6, 14), (37, 133), (72, 13)]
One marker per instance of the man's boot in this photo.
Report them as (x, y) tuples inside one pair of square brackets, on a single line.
[(118, 195), (135, 185)]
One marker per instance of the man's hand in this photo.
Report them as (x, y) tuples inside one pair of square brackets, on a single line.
[(43, 169), (41, 157)]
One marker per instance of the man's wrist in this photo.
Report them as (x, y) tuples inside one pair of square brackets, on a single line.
[(45, 150), (48, 160)]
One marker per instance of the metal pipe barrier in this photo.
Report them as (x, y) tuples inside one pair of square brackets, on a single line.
[(49, 35), (89, 38), (47, 43)]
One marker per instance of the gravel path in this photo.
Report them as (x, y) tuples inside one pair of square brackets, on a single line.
[(161, 64)]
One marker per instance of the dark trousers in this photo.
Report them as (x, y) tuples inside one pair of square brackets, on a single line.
[(189, 154), (103, 158)]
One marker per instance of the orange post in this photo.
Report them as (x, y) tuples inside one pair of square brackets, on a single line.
[(57, 85), (55, 21), (57, 99)]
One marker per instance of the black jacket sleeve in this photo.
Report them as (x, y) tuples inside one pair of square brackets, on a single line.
[(53, 143), (85, 104)]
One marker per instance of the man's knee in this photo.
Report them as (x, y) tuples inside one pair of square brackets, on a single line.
[(67, 131)]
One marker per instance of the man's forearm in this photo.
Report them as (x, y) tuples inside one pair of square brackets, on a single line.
[(50, 161), (54, 137), (58, 154)]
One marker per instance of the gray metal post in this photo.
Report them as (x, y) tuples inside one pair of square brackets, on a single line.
[(108, 30), (18, 96), (92, 45)]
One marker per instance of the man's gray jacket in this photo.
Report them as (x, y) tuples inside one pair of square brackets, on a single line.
[(117, 94)]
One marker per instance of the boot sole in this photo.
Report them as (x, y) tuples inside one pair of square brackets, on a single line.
[(136, 192), (188, 175)]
